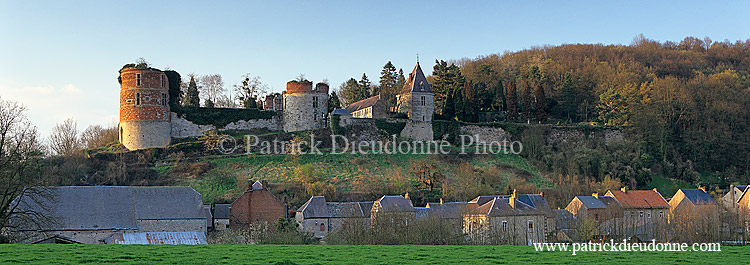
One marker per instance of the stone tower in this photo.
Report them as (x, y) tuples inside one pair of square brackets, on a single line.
[(305, 107), (144, 108), (418, 101)]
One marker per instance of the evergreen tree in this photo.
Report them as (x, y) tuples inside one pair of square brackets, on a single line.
[(365, 87), (512, 100), (209, 103), (540, 102), (526, 99), (333, 102), (568, 104), (400, 81), (388, 89), (192, 98), (352, 91)]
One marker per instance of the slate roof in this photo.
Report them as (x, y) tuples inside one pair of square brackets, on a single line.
[(422, 212), (697, 196), (221, 211), (362, 104), (416, 82), (501, 207), (564, 219), (340, 112), (536, 201), (317, 207), (395, 204), (448, 210), (639, 198), (114, 207), (591, 202)]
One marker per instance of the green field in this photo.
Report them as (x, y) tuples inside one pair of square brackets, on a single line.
[(346, 254)]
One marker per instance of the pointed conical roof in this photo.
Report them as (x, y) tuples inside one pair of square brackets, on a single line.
[(417, 82)]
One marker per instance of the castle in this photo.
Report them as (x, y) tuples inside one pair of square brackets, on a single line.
[(146, 120)]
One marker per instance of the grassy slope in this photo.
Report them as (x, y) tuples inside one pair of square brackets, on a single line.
[(342, 254), (229, 174)]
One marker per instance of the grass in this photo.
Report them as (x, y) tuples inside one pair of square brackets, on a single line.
[(667, 186), (343, 170), (345, 254)]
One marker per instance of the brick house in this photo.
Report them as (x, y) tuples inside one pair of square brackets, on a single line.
[(645, 213), (256, 205)]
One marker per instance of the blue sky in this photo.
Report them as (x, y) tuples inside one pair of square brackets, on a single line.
[(60, 58)]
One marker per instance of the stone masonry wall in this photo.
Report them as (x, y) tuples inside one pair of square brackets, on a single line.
[(182, 128), (175, 225), (305, 111)]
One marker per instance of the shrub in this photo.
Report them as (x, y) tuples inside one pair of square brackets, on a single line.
[(220, 117)]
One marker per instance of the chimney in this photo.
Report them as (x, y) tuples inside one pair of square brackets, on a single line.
[(595, 194), (702, 188), (441, 200), (624, 189), (731, 194), (515, 194), (541, 194), (512, 202), (250, 184), (407, 196), (655, 190)]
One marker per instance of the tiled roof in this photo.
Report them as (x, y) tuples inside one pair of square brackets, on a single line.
[(115, 207), (639, 198), (362, 104), (417, 82), (697, 196)]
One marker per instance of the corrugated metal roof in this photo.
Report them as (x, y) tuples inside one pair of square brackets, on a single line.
[(157, 238)]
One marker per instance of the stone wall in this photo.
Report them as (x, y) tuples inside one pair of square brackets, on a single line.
[(305, 111), (182, 128), (418, 131), (82, 236), (485, 134), (173, 225), (362, 129), (136, 135)]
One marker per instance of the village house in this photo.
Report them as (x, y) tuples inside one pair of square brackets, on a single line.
[(319, 217), (536, 201), (256, 205), (372, 108), (565, 226), (645, 213), (451, 212), (85, 214), (730, 201), (504, 220), (605, 211), (221, 216), (393, 209), (695, 215)]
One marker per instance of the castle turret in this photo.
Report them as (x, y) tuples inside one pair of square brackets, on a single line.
[(144, 108), (305, 107)]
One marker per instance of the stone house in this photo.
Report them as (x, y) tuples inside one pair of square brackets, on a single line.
[(89, 214), (605, 211), (536, 201), (731, 198), (505, 220), (394, 209), (319, 217), (372, 108), (694, 213), (221, 216), (256, 205), (450, 211), (645, 213)]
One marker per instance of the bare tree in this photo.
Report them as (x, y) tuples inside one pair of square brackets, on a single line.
[(249, 89), (64, 138), (20, 168), (211, 87), (96, 135)]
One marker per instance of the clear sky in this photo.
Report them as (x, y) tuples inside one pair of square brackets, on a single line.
[(60, 58)]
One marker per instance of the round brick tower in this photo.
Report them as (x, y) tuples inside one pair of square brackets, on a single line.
[(305, 107), (144, 108)]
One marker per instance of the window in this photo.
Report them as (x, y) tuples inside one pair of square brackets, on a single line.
[(641, 214), (531, 226), (315, 102), (661, 214), (596, 216), (315, 117), (322, 227), (163, 81), (421, 85), (649, 215), (137, 98), (422, 117), (163, 99), (423, 100), (505, 226), (138, 79)]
